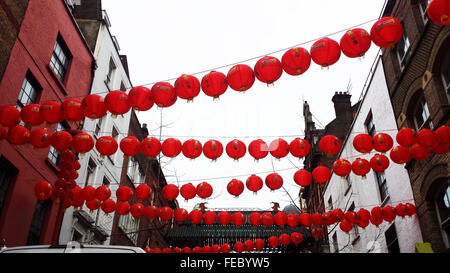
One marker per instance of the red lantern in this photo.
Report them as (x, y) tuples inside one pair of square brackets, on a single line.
[(195, 217), (103, 193), (379, 163), (236, 149), (441, 148), (351, 217), (321, 174), (130, 146), (240, 77), (274, 181), (299, 148), (255, 219), (93, 204), (273, 241), (167, 250), (163, 94), (166, 213), (399, 210), (150, 147), (330, 145), (249, 245), (30, 114), (235, 187), (345, 226), (225, 248), (443, 134), (400, 154), (377, 212), (180, 215), (342, 167), (258, 149), (292, 220), (279, 148), (40, 138), (268, 69), (82, 143), (157, 250), (188, 191), (386, 32), (68, 156), (124, 193), (61, 140), (192, 148), (209, 218), (9, 116), (204, 190), (296, 238), (108, 206), (93, 106), (267, 219), (18, 135), (187, 87), (325, 52), (419, 152), (170, 192), (426, 138), (214, 84), (171, 147), (224, 218), (363, 215), (106, 145), (317, 219), (355, 43), (254, 183), (388, 214), (302, 178), (376, 221), (439, 11), (296, 61), (137, 210), (43, 190), (259, 244), (238, 219), (410, 209), (305, 219), (382, 142), (139, 98), (72, 110), (89, 193), (337, 214), (51, 112), (361, 167), (280, 219), (117, 103), (363, 143), (207, 249), (406, 137), (285, 239), (143, 192), (215, 248), (239, 247), (123, 208), (151, 212), (212, 149)]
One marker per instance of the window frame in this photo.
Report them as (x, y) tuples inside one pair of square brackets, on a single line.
[(53, 154), (423, 10), (112, 67), (10, 176), (90, 172), (405, 57), (422, 105), (443, 223), (63, 64), (130, 226), (370, 125), (36, 88), (382, 187), (33, 237), (394, 242)]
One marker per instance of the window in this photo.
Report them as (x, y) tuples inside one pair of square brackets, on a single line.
[(348, 183), (391, 240), (131, 168), (369, 125), (54, 155), (335, 243), (445, 72), (403, 49), (90, 172), (423, 4), (382, 186), (106, 181), (115, 135), (422, 118), (60, 58), (111, 69), (77, 236), (37, 224), (7, 176), (330, 204), (443, 210), (29, 92), (98, 126), (141, 177), (129, 225), (355, 235)]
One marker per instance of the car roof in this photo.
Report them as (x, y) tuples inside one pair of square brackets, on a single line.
[(72, 248)]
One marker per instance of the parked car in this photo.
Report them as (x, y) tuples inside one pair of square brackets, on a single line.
[(72, 247)]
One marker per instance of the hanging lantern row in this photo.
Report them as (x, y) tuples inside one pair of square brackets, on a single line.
[(284, 239), (325, 52)]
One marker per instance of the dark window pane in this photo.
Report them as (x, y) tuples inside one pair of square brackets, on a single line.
[(37, 224), (7, 174)]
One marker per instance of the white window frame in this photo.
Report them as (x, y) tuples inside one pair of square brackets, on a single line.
[(131, 169), (112, 67), (130, 226), (422, 105), (407, 49), (423, 11)]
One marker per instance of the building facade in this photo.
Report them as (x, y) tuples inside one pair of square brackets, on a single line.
[(49, 60), (111, 74), (375, 115), (417, 74)]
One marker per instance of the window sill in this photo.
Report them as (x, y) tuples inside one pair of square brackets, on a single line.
[(57, 80)]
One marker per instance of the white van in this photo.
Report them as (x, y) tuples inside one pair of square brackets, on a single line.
[(72, 247)]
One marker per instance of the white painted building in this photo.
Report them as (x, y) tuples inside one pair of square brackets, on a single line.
[(374, 116), (111, 74)]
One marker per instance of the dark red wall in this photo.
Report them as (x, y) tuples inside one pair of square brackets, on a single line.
[(32, 51)]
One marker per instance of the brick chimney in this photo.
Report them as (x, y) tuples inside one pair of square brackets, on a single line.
[(343, 106)]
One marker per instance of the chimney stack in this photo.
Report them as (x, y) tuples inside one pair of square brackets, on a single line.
[(342, 106)]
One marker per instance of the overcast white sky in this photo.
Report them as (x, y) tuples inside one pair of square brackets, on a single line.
[(165, 39)]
